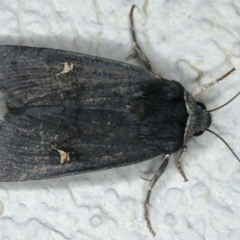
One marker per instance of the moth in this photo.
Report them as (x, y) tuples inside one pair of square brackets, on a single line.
[(70, 113)]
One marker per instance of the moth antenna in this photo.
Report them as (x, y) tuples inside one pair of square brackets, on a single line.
[(152, 182), (224, 104), (224, 142)]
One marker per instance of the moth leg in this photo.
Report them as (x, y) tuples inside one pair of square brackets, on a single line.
[(179, 161), (138, 51), (150, 187), (206, 86), (145, 179)]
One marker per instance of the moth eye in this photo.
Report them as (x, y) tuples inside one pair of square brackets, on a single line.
[(201, 106), (198, 133)]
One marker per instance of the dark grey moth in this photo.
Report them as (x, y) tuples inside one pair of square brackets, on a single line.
[(71, 113)]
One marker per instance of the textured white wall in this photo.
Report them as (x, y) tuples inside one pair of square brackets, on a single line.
[(183, 39)]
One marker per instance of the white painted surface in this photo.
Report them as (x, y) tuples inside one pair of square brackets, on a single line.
[(180, 38)]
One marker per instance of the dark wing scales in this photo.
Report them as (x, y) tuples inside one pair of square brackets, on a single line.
[(95, 138), (28, 76), (104, 113), (164, 117)]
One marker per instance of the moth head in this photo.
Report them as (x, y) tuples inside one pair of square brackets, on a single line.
[(205, 119)]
